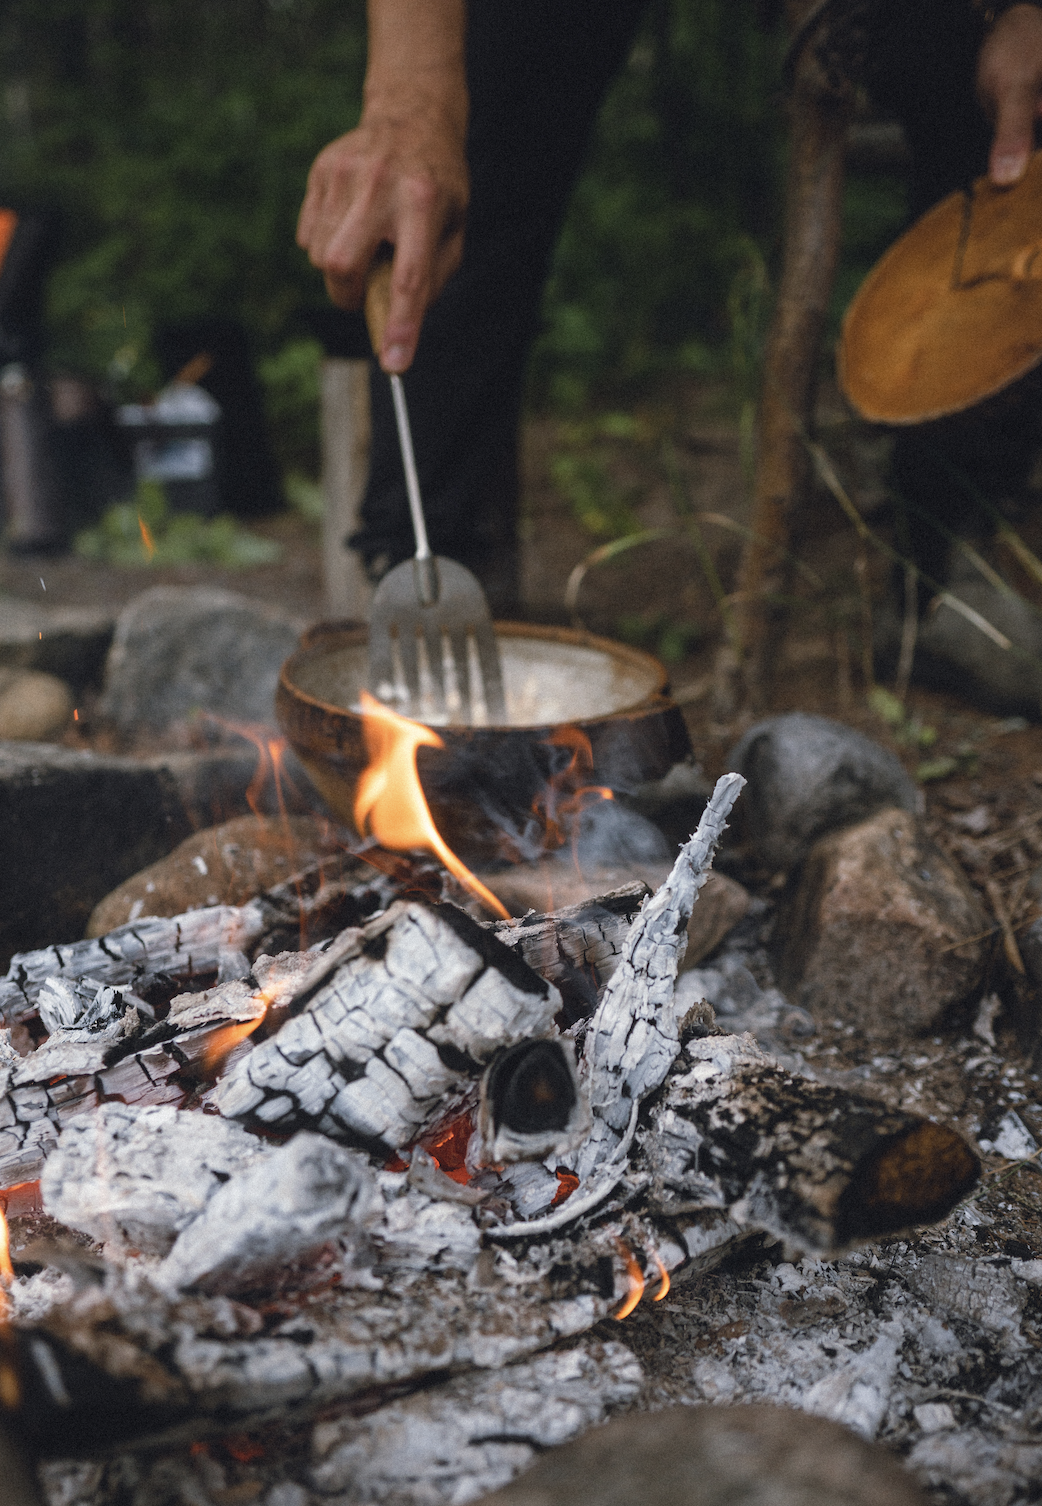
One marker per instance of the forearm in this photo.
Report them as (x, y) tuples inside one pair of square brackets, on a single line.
[(417, 60)]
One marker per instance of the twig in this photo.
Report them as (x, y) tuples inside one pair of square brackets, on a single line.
[(909, 633), (1009, 941)]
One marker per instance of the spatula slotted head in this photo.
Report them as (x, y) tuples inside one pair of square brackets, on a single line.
[(416, 652)]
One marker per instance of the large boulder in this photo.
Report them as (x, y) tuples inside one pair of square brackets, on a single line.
[(881, 932), (807, 776), (755, 1455), (178, 650)]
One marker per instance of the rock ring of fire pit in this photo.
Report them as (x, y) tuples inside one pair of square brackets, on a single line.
[(482, 785)]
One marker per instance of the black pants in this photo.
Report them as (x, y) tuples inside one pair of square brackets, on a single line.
[(923, 62), (537, 72)]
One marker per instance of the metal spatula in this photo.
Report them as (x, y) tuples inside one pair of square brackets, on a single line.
[(432, 650)]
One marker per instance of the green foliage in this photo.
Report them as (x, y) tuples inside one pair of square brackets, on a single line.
[(128, 529), (670, 639), (581, 468), (292, 388), (175, 136), (682, 180)]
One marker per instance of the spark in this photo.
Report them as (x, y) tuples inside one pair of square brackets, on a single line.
[(76, 714), (146, 536)]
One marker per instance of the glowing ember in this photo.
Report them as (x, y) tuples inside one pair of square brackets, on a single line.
[(447, 1145), (10, 1386), (567, 1182), (147, 540), (6, 1268), (636, 1276), (389, 802)]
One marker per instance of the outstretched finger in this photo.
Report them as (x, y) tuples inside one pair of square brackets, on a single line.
[(1014, 134), (412, 280)]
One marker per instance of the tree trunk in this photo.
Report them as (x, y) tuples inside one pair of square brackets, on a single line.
[(820, 112)]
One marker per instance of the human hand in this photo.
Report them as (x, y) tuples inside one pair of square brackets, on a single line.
[(400, 177), (1009, 83)]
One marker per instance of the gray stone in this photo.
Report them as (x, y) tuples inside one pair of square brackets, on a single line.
[(807, 776), (70, 642), (182, 649), (73, 825), (882, 931), (755, 1455), (953, 654)]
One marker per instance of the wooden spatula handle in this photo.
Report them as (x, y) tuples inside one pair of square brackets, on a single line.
[(378, 301)]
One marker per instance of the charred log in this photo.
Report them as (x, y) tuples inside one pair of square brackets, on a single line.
[(809, 1163)]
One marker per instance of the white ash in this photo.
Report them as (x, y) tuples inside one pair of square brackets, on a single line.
[(366, 1059), (183, 946), (984, 1469), (136, 1177), (279, 1207), (451, 1445), (441, 1447), (1012, 1139)]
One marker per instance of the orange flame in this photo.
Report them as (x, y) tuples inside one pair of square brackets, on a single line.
[(6, 1268), (564, 795), (10, 1385), (389, 800), (636, 1276), (146, 537), (663, 1290), (225, 1041)]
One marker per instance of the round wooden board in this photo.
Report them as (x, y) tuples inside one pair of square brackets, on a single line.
[(935, 329)]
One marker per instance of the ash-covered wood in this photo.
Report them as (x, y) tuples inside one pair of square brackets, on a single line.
[(130, 1059), (578, 947), (633, 1036), (202, 943), (809, 1163), (400, 1027), (284, 1204), (136, 1177)]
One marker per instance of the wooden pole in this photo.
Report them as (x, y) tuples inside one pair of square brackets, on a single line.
[(345, 469), (820, 111)]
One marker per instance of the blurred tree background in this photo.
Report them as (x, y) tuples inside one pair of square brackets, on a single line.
[(175, 137)]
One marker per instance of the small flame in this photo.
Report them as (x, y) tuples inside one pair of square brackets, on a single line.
[(225, 1041), (636, 1275), (10, 1385), (146, 537), (389, 800), (663, 1290), (6, 1268), (565, 795)]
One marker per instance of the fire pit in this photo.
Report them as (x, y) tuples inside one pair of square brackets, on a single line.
[(573, 700)]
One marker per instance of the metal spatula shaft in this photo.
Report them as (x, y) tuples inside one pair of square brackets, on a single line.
[(432, 647)]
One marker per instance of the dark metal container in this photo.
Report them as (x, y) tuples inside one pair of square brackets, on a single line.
[(583, 711)]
